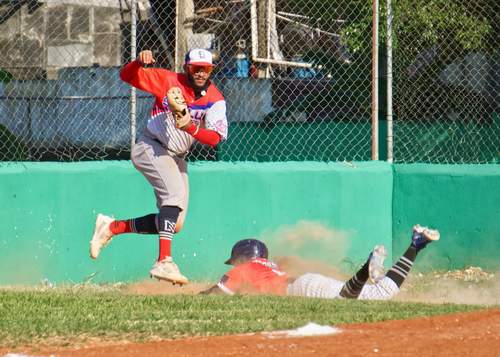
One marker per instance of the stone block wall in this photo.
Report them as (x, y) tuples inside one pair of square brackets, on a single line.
[(37, 41)]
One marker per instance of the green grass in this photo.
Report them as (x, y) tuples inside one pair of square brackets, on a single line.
[(30, 317)]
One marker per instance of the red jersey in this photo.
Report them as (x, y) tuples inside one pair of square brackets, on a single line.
[(258, 275), (208, 111)]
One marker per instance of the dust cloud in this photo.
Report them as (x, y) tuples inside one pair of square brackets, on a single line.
[(468, 286), (455, 287), (296, 266), (154, 287), (309, 246)]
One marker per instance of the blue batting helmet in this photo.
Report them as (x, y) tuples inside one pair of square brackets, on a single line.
[(247, 249)]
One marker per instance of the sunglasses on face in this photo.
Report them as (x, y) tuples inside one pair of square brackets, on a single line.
[(192, 68)]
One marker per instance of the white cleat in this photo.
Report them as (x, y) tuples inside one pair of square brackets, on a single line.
[(431, 234), (167, 270), (102, 235), (376, 271)]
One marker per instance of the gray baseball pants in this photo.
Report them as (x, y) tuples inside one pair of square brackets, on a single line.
[(165, 171)]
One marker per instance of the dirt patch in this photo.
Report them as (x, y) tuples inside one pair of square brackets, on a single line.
[(294, 266), (468, 334), (458, 286), (153, 287)]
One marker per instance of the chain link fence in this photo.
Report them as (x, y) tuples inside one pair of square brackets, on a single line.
[(446, 81), (296, 75), (60, 98)]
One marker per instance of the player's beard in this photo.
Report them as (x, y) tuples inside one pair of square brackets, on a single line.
[(200, 90)]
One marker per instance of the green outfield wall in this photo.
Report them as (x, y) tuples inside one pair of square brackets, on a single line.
[(48, 212), (463, 201), (328, 212)]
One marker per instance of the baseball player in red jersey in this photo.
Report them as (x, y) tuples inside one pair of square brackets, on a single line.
[(254, 273), (187, 107)]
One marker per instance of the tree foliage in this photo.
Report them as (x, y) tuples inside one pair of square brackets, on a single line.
[(420, 24)]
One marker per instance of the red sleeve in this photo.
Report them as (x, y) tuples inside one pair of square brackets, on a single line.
[(204, 136), (151, 80)]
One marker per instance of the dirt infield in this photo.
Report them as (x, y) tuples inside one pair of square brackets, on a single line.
[(470, 286), (470, 334)]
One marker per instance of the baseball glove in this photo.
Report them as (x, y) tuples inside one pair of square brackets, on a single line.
[(178, 106)]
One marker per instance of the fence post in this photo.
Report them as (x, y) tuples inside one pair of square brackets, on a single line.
[(375, 22), (133, 55), (390, 141)]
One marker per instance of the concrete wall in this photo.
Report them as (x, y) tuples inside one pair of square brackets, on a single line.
[(463, 201), (330, 212), (39, 38)]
